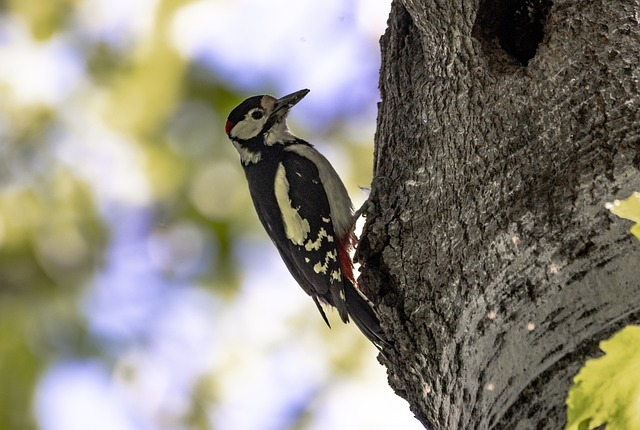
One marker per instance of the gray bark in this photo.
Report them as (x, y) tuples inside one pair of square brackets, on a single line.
[(494, 263)]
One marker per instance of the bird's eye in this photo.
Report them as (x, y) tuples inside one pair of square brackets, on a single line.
[(256, 114)]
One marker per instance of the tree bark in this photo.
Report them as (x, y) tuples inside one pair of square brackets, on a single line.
[(502, 132)]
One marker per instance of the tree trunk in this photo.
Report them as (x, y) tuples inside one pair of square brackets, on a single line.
[(504, 128)]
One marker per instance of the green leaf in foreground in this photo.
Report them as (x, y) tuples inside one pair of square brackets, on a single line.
[(607, 389), (629, 209)]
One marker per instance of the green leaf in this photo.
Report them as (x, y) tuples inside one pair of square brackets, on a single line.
[(629, 209), (607, 389)]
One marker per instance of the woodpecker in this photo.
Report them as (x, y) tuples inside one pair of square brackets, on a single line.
[(303, 205)]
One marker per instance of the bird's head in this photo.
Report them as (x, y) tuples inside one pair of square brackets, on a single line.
[(263, 116)]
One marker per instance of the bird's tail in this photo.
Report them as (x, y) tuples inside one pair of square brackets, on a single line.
[(363, 316)]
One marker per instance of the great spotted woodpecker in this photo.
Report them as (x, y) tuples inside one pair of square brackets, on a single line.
[(303, 205)]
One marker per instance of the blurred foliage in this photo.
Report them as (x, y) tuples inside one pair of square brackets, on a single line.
[(51, 240), (51, 235), (54, 238), (43, 18)]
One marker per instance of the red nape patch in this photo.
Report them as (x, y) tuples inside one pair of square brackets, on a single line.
[(345, 245), (228, 127)]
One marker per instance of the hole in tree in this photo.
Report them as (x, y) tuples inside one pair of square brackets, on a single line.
[(515, 26)]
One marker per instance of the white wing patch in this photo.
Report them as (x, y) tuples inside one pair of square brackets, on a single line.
[(322, 267), (316, 244), (295, 227)]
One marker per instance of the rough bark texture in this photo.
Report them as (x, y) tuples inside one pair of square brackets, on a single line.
[(495, 264)]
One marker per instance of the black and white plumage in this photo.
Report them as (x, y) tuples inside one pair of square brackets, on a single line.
[(303, 205)]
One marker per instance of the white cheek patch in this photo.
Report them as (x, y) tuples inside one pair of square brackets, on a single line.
[(248, 128), (295, 228)]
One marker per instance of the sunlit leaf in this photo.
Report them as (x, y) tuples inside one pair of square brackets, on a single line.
[(629, 209), (607, 389)]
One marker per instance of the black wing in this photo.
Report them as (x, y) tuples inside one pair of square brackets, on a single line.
[(306, 195), (305, 237), (317, 258)]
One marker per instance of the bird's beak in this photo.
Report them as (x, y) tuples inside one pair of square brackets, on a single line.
[(284, 104)]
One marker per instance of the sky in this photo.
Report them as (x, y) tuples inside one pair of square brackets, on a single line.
[(254, 361)]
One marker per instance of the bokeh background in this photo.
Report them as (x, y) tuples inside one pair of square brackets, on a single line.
[(137, 289)]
